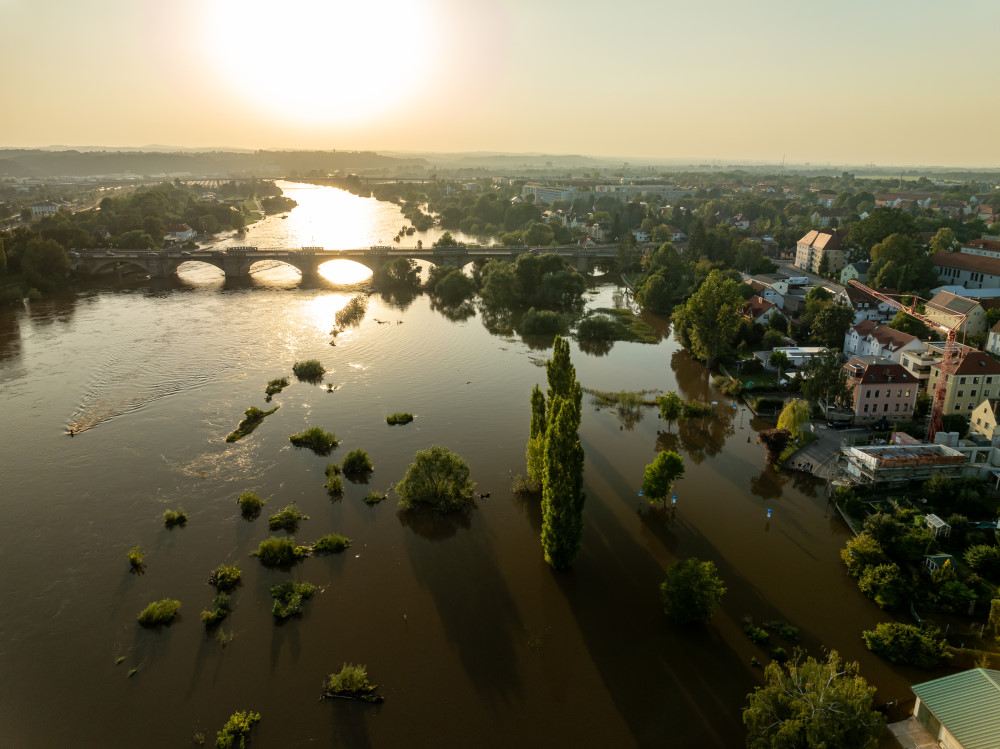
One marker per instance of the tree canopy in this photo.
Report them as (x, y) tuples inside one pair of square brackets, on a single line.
[(661, 474), (808, 703), (436, 478), (692, 590), (708, 322)]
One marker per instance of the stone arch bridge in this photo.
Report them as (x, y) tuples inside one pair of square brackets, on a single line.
[(236, 261)]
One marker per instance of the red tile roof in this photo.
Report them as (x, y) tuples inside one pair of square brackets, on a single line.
[(976, 362), (965, 261)]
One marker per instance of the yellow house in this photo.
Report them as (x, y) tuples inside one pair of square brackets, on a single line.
[(976, 379), (983, 420), (947, 309)]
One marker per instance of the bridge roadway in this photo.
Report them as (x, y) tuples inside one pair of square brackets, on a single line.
[(236, 261)]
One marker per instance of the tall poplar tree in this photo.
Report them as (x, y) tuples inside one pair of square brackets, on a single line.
[(535, 452), (563, 457)]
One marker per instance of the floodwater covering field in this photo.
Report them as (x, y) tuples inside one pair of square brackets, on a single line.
[(473, 640)]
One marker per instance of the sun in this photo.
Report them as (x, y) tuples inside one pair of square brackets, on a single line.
[(319, 62)]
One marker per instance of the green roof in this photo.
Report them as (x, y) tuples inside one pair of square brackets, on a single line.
[(967, 704)]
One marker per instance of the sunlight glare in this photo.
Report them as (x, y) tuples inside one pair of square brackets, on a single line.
[(322, 61)]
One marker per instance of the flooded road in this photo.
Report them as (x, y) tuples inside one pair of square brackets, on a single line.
[(473, 639)]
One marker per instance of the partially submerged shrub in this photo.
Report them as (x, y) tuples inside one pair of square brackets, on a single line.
[(315, 438), (274, 387), (286, 519), (135, 557), (219, 611), (288, 598), (334, 486), (253, 417), (332, 469), (309, 370), (279, 552), (907, 644), (250, 504), (756, 634), (225, 578), (373, 497), (400, 418), (352, 313), (356, 461), (237, 727), (352, 682), (171, 518), (436, 478), (331, 543), (159, 613)]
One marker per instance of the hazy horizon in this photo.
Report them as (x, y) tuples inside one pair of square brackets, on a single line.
[(891, 84)]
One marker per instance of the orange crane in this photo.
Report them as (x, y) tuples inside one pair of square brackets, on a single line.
[(952, 351)]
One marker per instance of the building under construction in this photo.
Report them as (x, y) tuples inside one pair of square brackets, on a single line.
[(900, 464)]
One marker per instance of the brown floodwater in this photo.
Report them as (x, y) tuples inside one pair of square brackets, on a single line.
[(474, 640)]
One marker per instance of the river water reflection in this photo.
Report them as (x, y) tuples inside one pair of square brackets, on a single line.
[(475, 641)]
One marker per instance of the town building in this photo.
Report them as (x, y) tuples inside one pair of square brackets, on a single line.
[(48, 208), (993, 340), (865, 306), (977, 377), (825, 216), (179, 233), (855, 272), (880, 389), (985, 247), (960, 711), (958, 312), (761, 310), (973, 271), (900, 464), (983, 420), (869, 338), (819, 249)]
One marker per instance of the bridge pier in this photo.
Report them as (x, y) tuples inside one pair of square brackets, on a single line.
[(235, 266)]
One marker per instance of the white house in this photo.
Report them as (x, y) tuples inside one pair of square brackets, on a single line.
[(865, 306), (869, 338)]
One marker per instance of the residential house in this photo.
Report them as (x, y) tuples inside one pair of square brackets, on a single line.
[(984, 418), (880, 389), (868, 338), (977, 377), (825, 216), (988, 213), (48, 208), (855, 272), (826, 199), (769, 288), (993, 340), (739, 221), (179, 233), (865, 306), (641, 235), (985, 247), (797, 355), (760, 310), (676, 235), (952, 310), (960, 711), (820, 249), (966, 269), (903, 199)]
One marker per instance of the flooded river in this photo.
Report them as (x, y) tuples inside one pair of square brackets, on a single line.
[(474, 640)]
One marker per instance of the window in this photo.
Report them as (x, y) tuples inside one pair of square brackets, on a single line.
[(876, 393), (868, 394), (961, 393), (986, 393), (970, 406), (958, 406), (989, 380), (897, 407), (907, 393), (885, 407), (979, 420), (961, 381), (866, 408), (906, 406), (899, 394), (972, 393), (975, 380)]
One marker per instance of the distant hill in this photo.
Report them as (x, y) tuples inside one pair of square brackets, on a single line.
[(38, 163)]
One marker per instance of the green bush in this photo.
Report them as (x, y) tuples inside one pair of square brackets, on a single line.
[(288, 598), (398, 419), (159, 613), (135, 557), (352, 313), (237, 727), (984, 559), (250, 504), (436, 478), (756, 634), (907, 645), (219, 611), (318, 440), (351, 681), (331, 543), (225, 578), (884, 583), (334, 486), (253, 418), (694, 409), (692, 590), (280, 551), (332, 469), (783, 629), (373, 497), (542, 322), (598, 327), (171, 518), (309, 370), (356, 461), (286, 519), (274, 387)]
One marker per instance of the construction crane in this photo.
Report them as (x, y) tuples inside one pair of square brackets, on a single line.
[(952, 351)]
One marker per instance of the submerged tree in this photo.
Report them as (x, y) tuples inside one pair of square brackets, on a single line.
[(562, 457), (535, 452), (774, 442), (692, 590), (794, 416), (810, 703), (661, 474)]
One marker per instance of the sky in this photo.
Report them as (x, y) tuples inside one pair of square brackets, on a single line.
[(889, 82)]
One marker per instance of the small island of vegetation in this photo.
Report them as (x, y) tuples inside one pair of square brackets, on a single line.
[(159, 613), (225, 578), (274, 387), (398, 419), (288, 598), (236, 730), (331, 543), (351, 683), (286, 519), (280, 552), (437, 478), (309, 370), (135, 557), (357, 462), (319, 441), (250, 504), (171, 518), (253, 418), (219, 611)]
